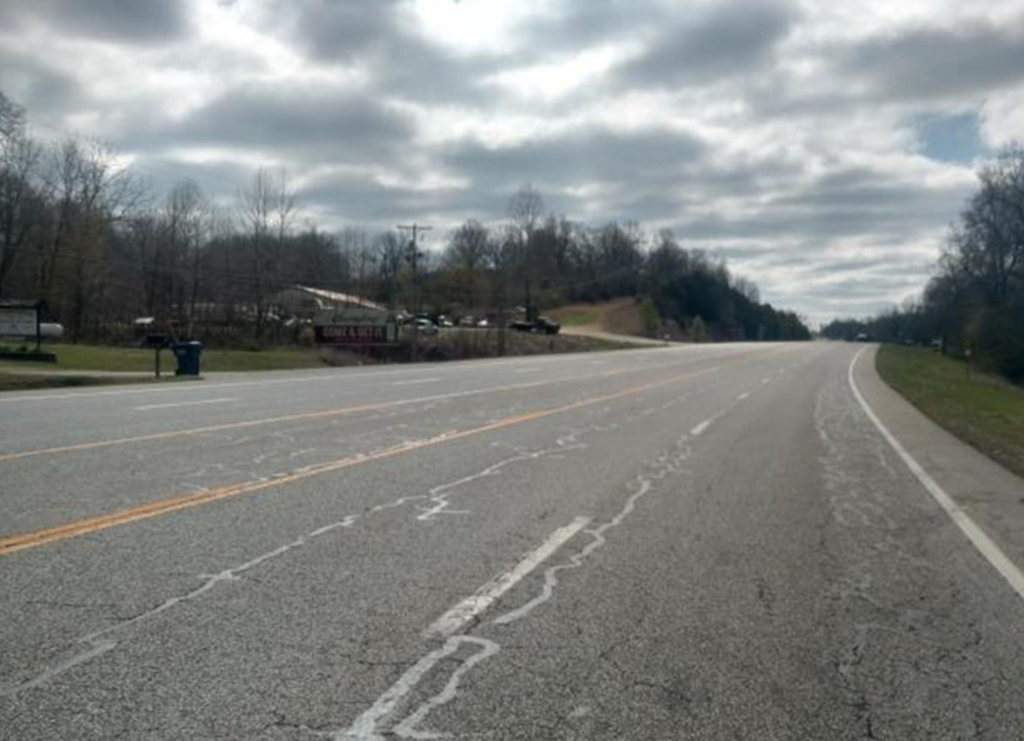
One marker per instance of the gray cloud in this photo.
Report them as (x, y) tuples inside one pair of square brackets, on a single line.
[(728, 39), (580, 23), (845, 203), (934, 62), (371, 32), (127, 21), (332, 30), (591, 155), (43, 90), (362, 200), (311, 125)]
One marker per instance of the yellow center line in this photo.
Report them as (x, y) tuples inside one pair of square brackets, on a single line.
[(23, 541)]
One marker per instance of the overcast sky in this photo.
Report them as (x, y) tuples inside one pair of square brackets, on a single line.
[(823, 147)]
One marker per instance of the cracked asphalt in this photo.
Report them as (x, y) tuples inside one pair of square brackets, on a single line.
[(263, 556)]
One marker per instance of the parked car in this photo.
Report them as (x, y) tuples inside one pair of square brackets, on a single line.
[(424, 326), (539, 325), (483, 323)]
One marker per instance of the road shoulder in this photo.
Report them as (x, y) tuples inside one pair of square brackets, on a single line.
[(990, 494)]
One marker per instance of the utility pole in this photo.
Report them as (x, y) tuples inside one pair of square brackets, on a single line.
[(414, 257)]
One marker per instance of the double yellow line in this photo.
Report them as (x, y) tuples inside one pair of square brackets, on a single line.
[(36, 538)]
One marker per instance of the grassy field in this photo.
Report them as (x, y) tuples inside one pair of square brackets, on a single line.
[(101, 358), (985, 412), (576, 316)]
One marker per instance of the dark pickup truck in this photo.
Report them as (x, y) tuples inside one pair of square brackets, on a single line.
[(540, 325)]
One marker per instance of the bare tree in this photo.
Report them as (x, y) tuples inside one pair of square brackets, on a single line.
[(266, 205), (21, 206), (358, 254), (187, 223), (467, 253), (526, 209), (284, 207), (390, 251), (12, 118), (90, 192), (505, 254)]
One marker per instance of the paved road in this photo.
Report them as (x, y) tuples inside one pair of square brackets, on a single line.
[(714, 542)]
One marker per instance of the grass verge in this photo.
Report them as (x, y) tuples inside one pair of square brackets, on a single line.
[(984, 412), (450, 344), (576, 316), (103, 358), (29, 382)]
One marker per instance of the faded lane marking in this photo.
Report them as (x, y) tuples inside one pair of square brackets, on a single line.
[(368, 726), (99, 642), (698, 430), (701, 428), (978, 537), (415, 381), (526, 370), (468, 609), (183, 404), (14, 543), (378, 724), (324, 413), (665, 465), (341, 411)]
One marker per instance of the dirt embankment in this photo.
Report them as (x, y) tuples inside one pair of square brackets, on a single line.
[(619, 320)]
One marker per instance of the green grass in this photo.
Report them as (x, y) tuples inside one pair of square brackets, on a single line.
[(28, 382), (102, 358), (573, 317), (985, 412)]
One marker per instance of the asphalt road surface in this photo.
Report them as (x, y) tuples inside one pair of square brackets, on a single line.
[(715, 542)]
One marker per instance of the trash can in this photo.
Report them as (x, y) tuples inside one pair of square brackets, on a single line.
[(187, 354)]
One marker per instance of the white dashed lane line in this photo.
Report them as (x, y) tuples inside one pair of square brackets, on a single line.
[(148, 407)]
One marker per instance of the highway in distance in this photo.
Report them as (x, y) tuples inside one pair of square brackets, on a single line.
[(730, 541)]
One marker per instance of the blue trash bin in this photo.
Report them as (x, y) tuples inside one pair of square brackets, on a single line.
[(187, 354)]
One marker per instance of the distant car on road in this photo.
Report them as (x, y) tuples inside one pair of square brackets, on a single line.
[(863, 337)]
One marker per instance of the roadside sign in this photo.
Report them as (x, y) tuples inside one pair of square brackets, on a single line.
[(19, 321), (354, 327)]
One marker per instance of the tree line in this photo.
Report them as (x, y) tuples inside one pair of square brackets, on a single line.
[(85, 234), (975, 300)]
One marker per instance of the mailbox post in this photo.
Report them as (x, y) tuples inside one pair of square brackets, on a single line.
[(158, 342)]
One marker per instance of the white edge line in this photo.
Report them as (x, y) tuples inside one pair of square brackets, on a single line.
[(985, 545), (183, 404), (457, 617)]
